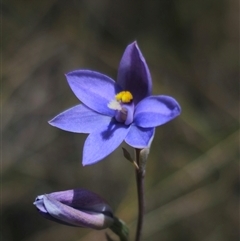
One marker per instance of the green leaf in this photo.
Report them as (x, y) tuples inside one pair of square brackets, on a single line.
[(127, 155), (143, 156), (120, 229)]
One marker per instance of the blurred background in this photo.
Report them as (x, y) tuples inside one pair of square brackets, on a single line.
[(192, 179)]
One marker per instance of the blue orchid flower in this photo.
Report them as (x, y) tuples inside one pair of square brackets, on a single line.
[(112, 112), (77, 208)]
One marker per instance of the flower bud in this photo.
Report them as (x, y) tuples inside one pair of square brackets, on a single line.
[(76, 207)]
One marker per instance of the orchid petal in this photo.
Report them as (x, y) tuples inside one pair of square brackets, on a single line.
[(76, 207), (93, 89), (156, 110), (82, 199), (75, 217), (133, 73), (80, 119), (139, 137), (101, 143), (39, 204)]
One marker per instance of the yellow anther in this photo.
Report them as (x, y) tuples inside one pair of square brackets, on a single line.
[(124, 96)]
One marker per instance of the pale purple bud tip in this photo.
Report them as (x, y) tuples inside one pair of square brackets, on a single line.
[(77, 207)]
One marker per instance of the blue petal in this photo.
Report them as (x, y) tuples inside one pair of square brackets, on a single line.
[(133, 73), (156, 110), (80, 119), (75, 217), (93, 89), (139, 137), (82, 199), (101, 143), (39, 204)]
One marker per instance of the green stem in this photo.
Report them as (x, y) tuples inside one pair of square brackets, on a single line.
[(140, 172)]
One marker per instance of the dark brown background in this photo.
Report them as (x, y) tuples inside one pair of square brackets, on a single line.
[(191, 47)]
